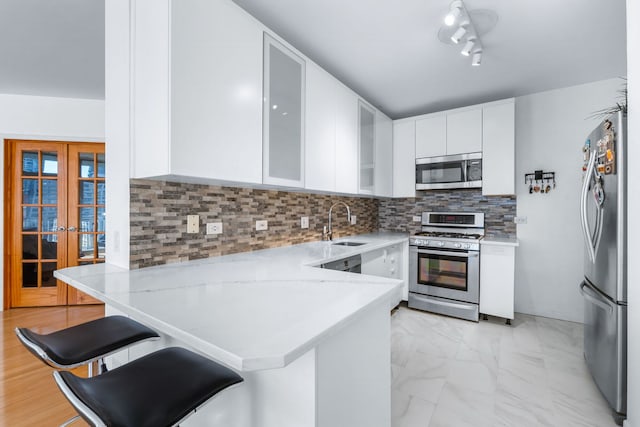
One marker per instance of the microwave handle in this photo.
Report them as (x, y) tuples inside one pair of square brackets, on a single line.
[(465, 167)]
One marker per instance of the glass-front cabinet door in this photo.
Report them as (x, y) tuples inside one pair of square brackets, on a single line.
[(366, 151), (283, 115)]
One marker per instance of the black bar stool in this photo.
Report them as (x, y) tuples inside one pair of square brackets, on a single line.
[(85, 344), (160, 389)]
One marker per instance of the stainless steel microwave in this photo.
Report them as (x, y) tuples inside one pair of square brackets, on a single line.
[(458, 171)]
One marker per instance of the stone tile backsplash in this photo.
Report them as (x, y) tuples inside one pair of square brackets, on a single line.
[(159, 212), (159, 209), (499, 211)]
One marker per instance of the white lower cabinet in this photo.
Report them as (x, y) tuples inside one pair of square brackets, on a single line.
[(391, 262), (497, 279)]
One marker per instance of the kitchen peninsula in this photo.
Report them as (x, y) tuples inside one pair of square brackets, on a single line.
[(313, 345)]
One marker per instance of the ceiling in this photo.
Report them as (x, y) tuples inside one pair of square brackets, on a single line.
[(387, 51), (52, 48)]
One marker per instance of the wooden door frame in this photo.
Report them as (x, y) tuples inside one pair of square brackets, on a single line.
[(8, 192)]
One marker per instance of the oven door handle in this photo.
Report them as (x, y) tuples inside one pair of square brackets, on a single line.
[(460, 254)]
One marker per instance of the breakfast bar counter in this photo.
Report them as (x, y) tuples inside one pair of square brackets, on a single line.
[(312, 344)]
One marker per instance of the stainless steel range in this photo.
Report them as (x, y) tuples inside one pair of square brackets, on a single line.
[(444, 264)]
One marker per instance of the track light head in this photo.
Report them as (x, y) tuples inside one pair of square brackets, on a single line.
[(452, 16), (455, 10), (471, 42), (476, 59), (459, 34)]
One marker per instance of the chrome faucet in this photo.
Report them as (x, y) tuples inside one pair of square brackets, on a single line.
[(328, 235)]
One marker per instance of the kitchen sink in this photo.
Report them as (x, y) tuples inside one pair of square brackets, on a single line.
[(347, 243)]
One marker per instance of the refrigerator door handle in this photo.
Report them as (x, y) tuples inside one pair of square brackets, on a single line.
[(583, 207), (591, 296)]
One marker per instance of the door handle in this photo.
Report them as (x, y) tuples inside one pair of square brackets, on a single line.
[(72, 228), (583, 207), (594, 298), (61, 229)]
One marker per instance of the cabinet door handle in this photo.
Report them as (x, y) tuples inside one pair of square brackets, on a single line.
[(61, 228), (72, 228)]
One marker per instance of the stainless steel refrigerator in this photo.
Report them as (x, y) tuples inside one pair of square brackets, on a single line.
[(603, 217)]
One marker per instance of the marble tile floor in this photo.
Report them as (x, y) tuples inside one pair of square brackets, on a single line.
[(448, 372)]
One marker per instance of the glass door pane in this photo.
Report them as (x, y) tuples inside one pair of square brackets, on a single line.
[(86, 210), (283, 115), (367, 117), (37, 194)]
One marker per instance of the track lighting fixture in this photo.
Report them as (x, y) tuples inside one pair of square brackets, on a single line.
[(465, 32), (454, 13), (476, 59), (466, 51), (459, 34)]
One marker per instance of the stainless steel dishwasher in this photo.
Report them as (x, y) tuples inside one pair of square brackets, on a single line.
[(352, 264)]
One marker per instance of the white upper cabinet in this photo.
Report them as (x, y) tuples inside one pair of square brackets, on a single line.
[(431, 136), (191, 116), (366, 147), (383, 156), (320, 130), (283, 113), (498, 157), (331, 146), (464, 131), (447, 133), (404, 158)]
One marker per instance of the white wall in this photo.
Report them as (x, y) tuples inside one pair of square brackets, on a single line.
[(45, 118), (118, 134), (633, 213), (550, 131)]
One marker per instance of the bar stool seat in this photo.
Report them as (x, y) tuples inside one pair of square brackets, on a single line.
[(84, 343), (156, 390)]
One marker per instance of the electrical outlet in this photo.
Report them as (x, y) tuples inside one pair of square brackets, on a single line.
[(304, 222), (520, 220), (354, 219), (262, 225), (417, 218), (214, 228), (193, 224)]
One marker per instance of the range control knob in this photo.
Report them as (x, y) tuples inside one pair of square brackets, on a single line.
[(466, 246), (457, 245), (441, 244)]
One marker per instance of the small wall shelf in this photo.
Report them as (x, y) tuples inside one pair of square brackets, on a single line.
[(540, 181)]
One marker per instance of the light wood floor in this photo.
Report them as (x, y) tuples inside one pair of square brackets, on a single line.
[(29, 395)]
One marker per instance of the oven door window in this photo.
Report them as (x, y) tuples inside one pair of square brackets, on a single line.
[(443, 271), (440, 173)]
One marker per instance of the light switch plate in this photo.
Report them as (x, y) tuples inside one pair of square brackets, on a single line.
[(354, 219), (214, 228), (262, 225), (417, 218), (304, 222), (193, 224), (520, 219)]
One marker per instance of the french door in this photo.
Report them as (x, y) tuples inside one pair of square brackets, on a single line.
[(55, 218)]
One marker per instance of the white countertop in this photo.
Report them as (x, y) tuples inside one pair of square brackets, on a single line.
[(252, 310), (499, 241)]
